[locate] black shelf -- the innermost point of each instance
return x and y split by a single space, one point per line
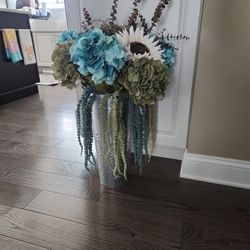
16 79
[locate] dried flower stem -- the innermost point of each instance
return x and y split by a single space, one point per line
133 16
178 37
113 12
88 19
144 23
171 37
158 12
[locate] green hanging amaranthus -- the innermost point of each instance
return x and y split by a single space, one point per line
84 124
112 117
118 135
152 127
118 117
122 136
105 129
142 131
145 131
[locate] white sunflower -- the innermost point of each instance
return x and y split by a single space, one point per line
139 45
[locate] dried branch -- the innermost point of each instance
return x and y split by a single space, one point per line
144 23
170 37
158 12
178 37
88 20
110 29
113 13
133 16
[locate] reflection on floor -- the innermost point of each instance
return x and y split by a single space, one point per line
46 201
47 80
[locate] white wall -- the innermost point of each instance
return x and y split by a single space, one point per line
58 14
220 119
11 4
3 4
101 10
219 138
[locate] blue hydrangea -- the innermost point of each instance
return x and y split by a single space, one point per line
68 36
98 55
169 56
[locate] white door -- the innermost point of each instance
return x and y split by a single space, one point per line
183 17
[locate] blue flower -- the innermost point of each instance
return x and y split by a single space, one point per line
100 55
169 56
68 36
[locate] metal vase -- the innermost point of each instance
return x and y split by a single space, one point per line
106 168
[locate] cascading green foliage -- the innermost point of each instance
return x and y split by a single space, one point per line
78 121
122 137
145 130
84 124
141 131
115 130
138 134
120 119
113 116
105 129
114 112
152 124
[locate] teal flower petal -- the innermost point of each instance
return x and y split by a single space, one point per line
98 55
67 36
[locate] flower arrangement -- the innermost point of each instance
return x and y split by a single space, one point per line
130 67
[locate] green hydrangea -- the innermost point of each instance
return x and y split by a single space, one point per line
64 69
145 80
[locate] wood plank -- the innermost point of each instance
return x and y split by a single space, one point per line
145 226
41 164
52 101
39 120
6 137
77 187
69 144
9 128
156 210
16 195
36 113
172 199
12 244
181 208
196 237
49 109
59 234
169 187
57 130
223 224
41 151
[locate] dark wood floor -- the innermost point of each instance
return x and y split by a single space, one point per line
47 202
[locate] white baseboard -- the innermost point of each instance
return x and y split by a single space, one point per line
169 152
217 170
